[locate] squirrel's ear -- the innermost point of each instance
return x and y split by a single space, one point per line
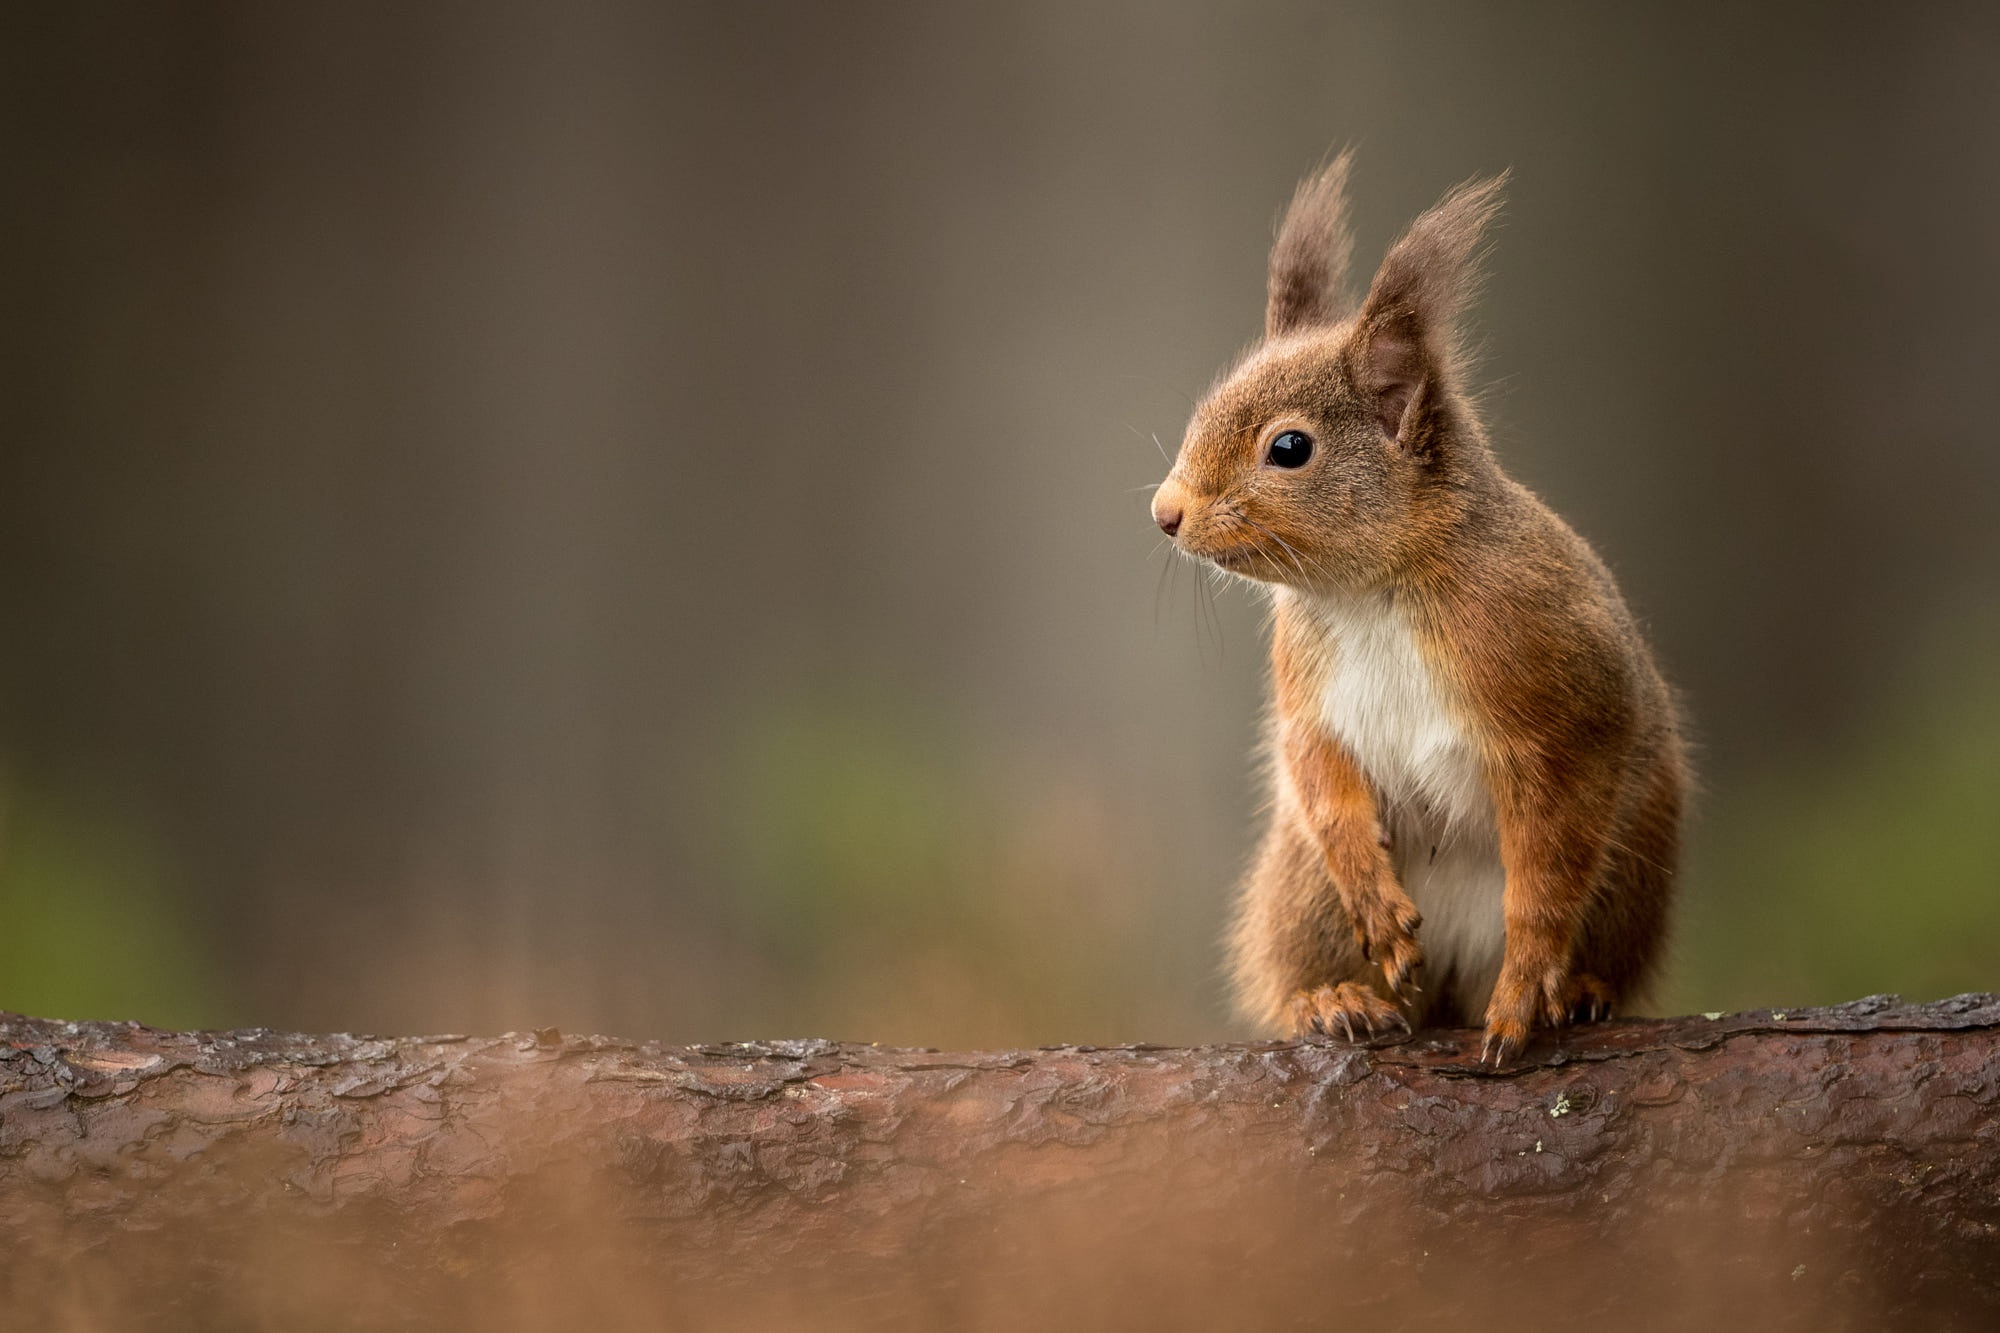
1308 283
1408 337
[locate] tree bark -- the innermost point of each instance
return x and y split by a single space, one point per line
1818 1168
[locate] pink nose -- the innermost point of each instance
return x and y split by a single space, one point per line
1168 517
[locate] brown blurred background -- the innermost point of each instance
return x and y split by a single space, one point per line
625 517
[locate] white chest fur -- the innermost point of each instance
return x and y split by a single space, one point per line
1380 698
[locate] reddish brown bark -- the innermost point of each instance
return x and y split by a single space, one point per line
1824 1168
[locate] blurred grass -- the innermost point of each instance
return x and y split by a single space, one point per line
1873 866
908 891
91 923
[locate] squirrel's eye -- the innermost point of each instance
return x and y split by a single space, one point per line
1290 449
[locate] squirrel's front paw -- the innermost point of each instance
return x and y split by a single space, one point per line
1387 929
1521 999
1344 1010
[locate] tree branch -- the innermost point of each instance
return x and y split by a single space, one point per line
1788 1168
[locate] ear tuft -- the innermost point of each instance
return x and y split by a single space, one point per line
1308 282
1408 338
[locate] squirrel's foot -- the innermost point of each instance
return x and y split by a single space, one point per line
1521 999
1386 926
1349 1010
1587 1000
1504 1039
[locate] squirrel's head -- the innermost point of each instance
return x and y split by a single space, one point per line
1339 440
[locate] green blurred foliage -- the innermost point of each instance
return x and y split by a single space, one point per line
905 890
1872 867
847 823
91 923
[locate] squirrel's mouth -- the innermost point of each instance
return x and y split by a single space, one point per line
1252 564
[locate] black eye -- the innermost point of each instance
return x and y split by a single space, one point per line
1291 449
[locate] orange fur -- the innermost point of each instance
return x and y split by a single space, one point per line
1451 664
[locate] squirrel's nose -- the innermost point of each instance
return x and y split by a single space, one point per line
1168 516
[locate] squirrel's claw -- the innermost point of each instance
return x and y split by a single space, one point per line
1347 1009
1589 999
1501 1045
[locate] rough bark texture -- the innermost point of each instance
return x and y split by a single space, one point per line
1824 1167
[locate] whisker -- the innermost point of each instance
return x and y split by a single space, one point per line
1200 619
1205 591
1154 436
1297 561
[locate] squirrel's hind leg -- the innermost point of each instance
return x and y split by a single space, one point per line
1299 969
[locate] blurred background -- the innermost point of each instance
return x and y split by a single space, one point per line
628 517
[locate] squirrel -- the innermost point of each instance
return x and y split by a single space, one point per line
1477 771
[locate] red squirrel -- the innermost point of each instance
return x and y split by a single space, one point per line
1477 771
